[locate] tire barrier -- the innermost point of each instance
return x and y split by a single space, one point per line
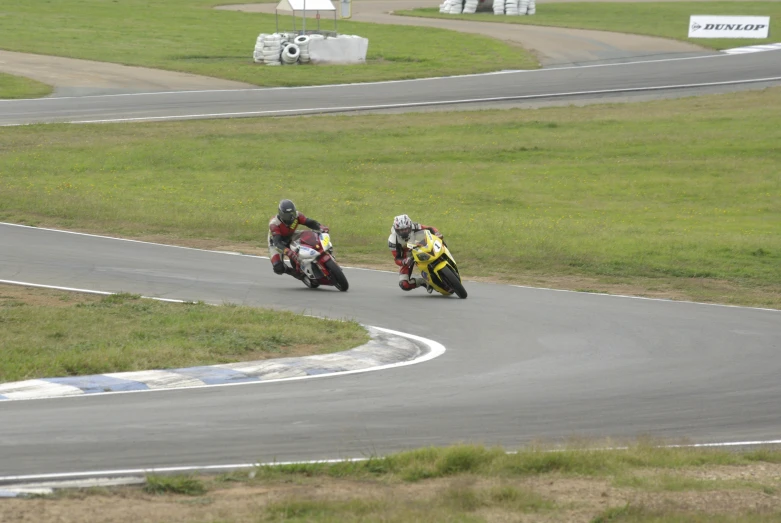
452 7
291 48
470 6
290 54
511 7
303 45
268 48
500 7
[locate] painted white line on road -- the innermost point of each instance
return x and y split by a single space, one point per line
753 49
85 291
237 466
645 298
63 231
352 108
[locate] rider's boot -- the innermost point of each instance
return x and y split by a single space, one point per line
294 273
420 282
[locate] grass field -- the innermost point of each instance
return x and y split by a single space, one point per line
49 333
666 19
190 36
17 87
679 198
463 483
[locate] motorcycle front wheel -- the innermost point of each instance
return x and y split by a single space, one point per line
455 283
336 274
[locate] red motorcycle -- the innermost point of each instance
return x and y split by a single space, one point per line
316 261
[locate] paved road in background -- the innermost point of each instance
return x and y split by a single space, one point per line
521 364
668 77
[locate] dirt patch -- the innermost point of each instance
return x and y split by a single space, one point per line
10 294
572 499
72 77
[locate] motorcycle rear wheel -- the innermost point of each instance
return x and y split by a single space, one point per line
336 274
451 279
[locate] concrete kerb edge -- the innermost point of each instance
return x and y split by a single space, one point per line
386 349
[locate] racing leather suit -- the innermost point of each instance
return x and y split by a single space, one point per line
280 236
408 279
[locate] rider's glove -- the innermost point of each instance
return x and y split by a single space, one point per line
323 228
293 255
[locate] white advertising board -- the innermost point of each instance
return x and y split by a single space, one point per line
704 26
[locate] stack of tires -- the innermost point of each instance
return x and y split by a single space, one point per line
511 7
470 6
282 48
515 7
290 53
303 45
268 49
452 7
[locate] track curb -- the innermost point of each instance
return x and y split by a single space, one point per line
385 349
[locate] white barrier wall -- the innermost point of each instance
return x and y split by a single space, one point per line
344 49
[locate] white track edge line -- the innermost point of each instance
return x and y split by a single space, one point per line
63 231
519 71
646 298
236 466
436 349
325 110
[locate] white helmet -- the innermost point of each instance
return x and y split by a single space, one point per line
403 226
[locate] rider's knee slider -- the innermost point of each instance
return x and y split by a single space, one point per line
406 285
279 267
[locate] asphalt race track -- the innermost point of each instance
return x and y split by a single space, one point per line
521 364
689 76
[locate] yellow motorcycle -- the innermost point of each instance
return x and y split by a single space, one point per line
436 264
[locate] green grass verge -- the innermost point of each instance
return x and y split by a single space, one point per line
681 196
639 514
665 19
471 484
176 484
14 87
47 333
190 36
442 462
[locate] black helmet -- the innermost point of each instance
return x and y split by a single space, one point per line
287 212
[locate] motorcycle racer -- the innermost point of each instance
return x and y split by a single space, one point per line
282 231
402 231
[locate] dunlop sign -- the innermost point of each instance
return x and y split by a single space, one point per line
701 26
